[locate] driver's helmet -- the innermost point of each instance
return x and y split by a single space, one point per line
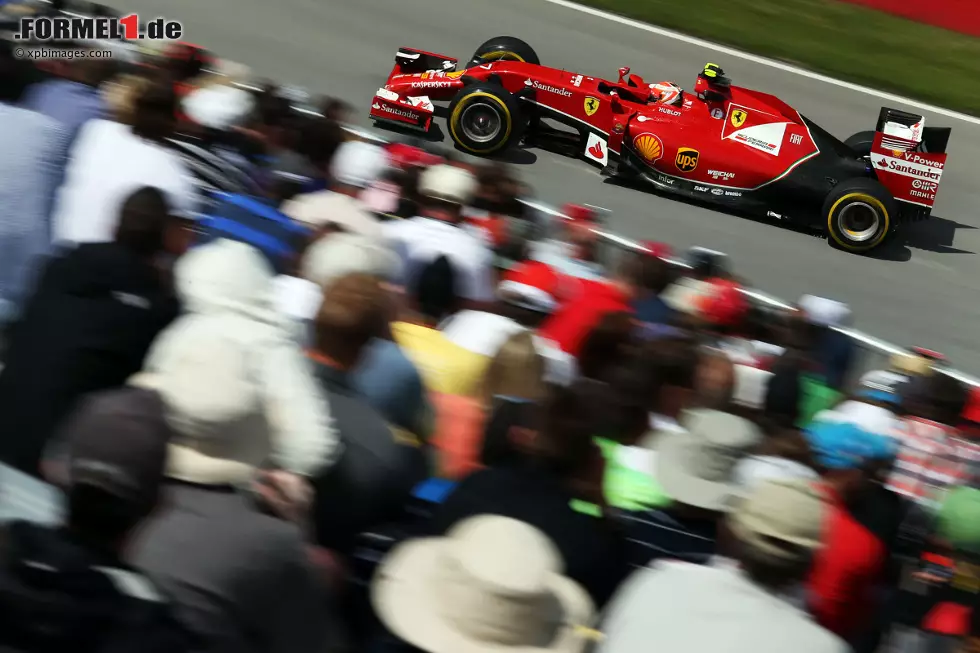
666 93
715 76
712 84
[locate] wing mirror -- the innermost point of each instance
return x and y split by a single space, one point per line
623 72
615 102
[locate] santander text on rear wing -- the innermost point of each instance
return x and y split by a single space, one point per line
909 158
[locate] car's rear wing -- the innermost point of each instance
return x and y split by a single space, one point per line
908 157
410 60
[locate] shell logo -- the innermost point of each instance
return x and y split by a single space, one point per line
648 147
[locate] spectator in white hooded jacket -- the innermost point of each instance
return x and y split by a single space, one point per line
226 288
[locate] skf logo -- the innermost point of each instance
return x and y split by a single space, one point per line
687 159
738 118
591 106
648 147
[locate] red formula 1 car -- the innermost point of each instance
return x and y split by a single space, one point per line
741 149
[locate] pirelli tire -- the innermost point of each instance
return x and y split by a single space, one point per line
485 119
860 214
504 48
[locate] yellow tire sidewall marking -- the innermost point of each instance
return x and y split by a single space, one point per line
497 55
458 111
864 197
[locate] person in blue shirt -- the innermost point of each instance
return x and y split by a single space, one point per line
32 163
74 99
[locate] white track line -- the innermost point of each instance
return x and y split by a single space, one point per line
772 63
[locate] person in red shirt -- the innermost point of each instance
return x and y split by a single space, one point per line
850 567
575 319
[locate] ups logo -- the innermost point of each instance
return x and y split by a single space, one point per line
687 159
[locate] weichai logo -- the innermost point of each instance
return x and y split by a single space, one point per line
129 28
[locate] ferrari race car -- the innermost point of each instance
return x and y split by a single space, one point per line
736 148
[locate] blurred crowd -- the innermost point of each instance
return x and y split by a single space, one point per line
268 387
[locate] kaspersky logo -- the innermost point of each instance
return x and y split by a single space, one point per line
63 28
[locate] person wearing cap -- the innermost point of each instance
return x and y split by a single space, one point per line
489 584
695 469
94 314
355 168
747 601
862 523
444 191
434 294
67 587
110 160
212 100
878 400
377 470
526 295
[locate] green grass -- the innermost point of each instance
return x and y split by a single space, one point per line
835 38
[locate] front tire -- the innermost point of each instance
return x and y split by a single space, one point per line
504 48
484 119
860 214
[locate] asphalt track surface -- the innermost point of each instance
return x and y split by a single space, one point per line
923 290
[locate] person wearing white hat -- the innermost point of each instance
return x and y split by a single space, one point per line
356 167
490 585
238 576
226 290
445 190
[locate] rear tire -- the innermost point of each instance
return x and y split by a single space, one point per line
484 119
861 143
860 214
504 48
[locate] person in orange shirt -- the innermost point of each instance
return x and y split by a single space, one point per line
516 373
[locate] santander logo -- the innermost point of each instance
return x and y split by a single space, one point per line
596 150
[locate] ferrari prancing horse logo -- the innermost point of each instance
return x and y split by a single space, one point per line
738 118
591 105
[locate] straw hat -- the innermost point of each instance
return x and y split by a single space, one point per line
491 585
